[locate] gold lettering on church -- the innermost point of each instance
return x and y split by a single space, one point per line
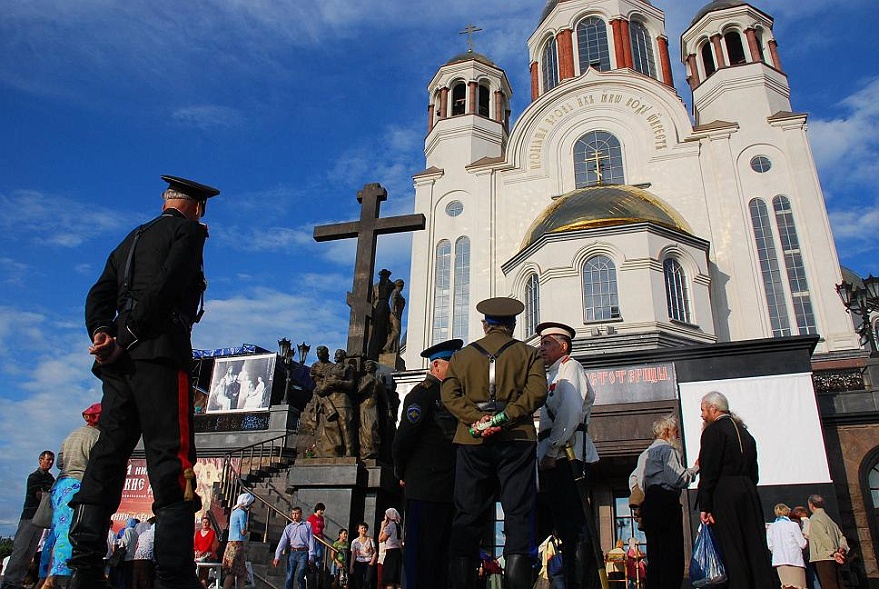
634 104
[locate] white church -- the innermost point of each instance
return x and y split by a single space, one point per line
691 251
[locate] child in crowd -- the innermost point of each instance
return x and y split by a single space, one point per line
339 568
363 558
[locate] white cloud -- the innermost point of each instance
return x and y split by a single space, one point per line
208 116
846 147
35 217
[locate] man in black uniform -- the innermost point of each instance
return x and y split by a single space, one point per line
27 536
424 461
139 314
493 387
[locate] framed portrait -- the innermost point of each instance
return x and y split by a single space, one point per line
241 383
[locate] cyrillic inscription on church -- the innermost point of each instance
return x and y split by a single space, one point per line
623 101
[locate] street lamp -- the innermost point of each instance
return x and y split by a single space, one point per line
303 349
284 351
862 301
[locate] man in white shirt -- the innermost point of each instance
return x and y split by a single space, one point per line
564 420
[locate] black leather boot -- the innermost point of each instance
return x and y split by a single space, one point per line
88 536
175 567
587 566
462 573
519 571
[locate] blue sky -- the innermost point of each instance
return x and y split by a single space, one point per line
289 107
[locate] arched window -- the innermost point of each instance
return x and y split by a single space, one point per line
459 98
772 283
677 295
793 260
734 48
759 34
592 44
532 304
550 66
600 297
462 288
598 159
442 282
484 101
708 59
642 49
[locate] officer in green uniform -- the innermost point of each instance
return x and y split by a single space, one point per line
139 316
424 461
493 387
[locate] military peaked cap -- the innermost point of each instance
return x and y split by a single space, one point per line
500 310
190 188
442 350
553 328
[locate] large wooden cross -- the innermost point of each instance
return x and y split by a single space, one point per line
366 230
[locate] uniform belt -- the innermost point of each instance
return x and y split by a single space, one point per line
543 434
492 405
298 548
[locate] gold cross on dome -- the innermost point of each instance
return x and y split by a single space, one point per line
596 158
469 30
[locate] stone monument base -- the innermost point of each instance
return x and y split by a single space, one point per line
353 491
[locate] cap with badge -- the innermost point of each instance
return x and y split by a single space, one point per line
500 310
443 350
191 188
553 328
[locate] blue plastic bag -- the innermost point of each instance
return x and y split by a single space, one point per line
706 566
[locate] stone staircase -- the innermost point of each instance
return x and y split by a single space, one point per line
268 515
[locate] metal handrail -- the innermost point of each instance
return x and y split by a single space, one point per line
275 447
329 549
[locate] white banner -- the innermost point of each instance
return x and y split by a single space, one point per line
781 413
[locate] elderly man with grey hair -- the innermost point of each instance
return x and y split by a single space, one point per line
728 497
662 476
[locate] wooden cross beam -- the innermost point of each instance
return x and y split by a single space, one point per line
366 230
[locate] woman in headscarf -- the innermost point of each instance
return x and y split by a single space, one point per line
390 534
74 455
235 555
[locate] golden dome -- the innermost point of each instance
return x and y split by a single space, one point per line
604 206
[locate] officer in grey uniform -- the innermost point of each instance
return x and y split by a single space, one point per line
424 461
493 387
139 315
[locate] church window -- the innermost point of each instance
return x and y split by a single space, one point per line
592 45
735 50
642 49
598 159
459 98
793 260
676 292
761 164
442 280
759 34
769 269
484 100
550 66
532 304
708 59
454 208
462 288
600 296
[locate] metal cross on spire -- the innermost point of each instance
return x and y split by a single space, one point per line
469 30
596 158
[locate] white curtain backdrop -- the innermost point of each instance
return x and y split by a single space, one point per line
781 413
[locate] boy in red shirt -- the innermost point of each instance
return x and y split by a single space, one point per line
316 521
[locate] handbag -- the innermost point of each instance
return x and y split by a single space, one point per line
117 558
43 516
706 566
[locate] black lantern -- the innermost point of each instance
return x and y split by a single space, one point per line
862 300
303 349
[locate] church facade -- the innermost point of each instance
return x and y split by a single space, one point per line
691 247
